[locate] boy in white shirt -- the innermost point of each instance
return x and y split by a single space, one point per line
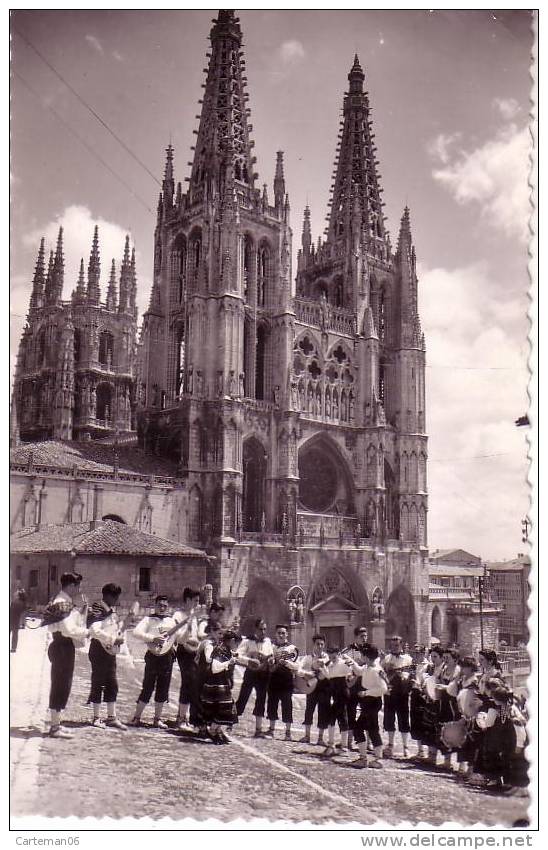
373 686
338 672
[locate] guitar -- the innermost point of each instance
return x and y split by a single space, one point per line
164 641
305 682
282 654
117 630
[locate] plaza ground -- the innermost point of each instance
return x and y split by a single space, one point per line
154 773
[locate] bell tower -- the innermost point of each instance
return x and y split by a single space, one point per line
217 334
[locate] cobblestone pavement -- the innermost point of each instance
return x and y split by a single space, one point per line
154 773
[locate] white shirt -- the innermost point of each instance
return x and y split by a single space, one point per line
194 629
372 681
152 627
396 662
72 625
253 648
306 663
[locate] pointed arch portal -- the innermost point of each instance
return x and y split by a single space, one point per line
254 465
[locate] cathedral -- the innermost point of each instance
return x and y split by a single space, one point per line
290 407
75 372
295 411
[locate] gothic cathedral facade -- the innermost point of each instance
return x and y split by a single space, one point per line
75 372
295 410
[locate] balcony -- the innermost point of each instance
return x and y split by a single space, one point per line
334 319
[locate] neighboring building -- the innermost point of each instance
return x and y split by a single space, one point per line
509 585
456 614
298 423
55 482
75 371
102 552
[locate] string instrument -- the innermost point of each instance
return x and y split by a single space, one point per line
282 654
164 641
189 642
305 681
80 619
117 629
244 661
399 679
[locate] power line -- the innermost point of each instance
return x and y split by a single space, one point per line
88 107
83 142
470 457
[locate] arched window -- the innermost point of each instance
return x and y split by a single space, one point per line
254 485
178 264
247 261
41 353
260 363
338 292
104 403
77 346
180 364
382 380
195 257
322 289
263 270
195 514
382 315
106 350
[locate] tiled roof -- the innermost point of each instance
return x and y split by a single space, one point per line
516 564
107 538
94 455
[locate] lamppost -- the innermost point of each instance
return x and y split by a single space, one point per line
480 588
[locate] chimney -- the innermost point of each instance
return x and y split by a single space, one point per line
97 506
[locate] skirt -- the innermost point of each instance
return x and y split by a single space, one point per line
217 704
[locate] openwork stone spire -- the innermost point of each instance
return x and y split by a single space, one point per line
223 145
94 270
38 280
355 171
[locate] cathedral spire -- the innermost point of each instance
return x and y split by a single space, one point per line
57 270
79 294
38 280
279 182
168 185
111 292
223 147
133 277
94 270
306 239
404 236
355 172
125 279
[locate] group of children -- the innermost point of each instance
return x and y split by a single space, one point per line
444 702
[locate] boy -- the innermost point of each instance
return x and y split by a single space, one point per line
372 687
319 698
280 687
66 628
187 643
338 672
105 642
397 666
158 667
260 648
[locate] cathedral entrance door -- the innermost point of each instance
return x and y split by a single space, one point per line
334 635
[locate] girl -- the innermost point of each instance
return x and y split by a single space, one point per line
217 704
498 740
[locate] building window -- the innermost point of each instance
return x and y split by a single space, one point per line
33 579
53 573
144 579
18 572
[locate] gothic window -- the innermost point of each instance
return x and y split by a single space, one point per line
41 353
338 292
319 479
248 384
382 380
254 484
180 365
306 346
339 354
382 315
195 514
77 346
106 350
322 289
260 363
314 370
332 583
104 403
263 273
248 253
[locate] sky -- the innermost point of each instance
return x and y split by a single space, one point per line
98 95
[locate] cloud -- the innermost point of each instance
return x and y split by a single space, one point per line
291 52
94 42
477 469
439 147
508 107
117 56
493 178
